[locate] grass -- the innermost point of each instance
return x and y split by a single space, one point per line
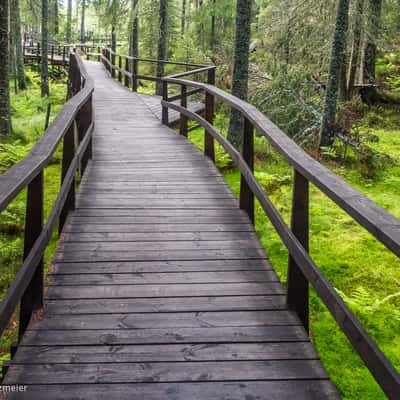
364 272
28 121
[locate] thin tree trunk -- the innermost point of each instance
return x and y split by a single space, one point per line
240 68
183 17
69 21
355 51
17 41
83 21
113 38
212 38
56 25
335 69
44 67
162 42
5 117
134 31
368 73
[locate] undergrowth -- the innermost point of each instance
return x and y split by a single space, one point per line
364 272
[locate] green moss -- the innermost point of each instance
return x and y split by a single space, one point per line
366 274
28 119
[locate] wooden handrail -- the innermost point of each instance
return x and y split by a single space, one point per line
76 114
302 269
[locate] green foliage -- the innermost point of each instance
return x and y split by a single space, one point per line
29 111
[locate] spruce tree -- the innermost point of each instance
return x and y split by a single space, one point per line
335 71
5 117
240 67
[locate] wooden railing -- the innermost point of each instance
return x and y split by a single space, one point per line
57 53
73 126
302 270
126 70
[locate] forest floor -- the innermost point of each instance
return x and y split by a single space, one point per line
28 120
362 270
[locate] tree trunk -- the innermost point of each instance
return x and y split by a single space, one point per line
355 51
335 69
370 48
44 67
113 38
17 41
56 25
162 42
240 67
69 22
83 21
212 37
5 118
183 17
134 34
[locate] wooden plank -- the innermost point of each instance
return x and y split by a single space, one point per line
158 227
168 290
99 247
164 278
157 236
249 390
165 304
161 266
167 372
164 255
167 352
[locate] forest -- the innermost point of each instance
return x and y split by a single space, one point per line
327 72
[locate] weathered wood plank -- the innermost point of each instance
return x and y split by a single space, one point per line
167 372
168 290
168 352
165 304
249 390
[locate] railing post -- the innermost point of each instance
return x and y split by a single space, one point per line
63 55
135 66
165 118
98 54
184 121
33 296
68 155
120 69
246 195
126 77
112 63
297 283
52 53
83 120
208 139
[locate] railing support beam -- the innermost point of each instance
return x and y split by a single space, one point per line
209 150
297 285
164 116
33 297
183 120
246 194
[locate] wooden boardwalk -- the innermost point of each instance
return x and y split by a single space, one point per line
160 287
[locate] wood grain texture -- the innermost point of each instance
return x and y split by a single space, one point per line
160 288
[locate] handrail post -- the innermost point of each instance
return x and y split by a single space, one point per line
98 54
135 66
126 77
183 130
246 195
297 283
83 120
208 139
32 299
165 117
67 157
120 68
113 63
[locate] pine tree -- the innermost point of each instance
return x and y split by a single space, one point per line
134 30
335 70
17 41
5 117
83 12
69 22
240 67
162 42
44 67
